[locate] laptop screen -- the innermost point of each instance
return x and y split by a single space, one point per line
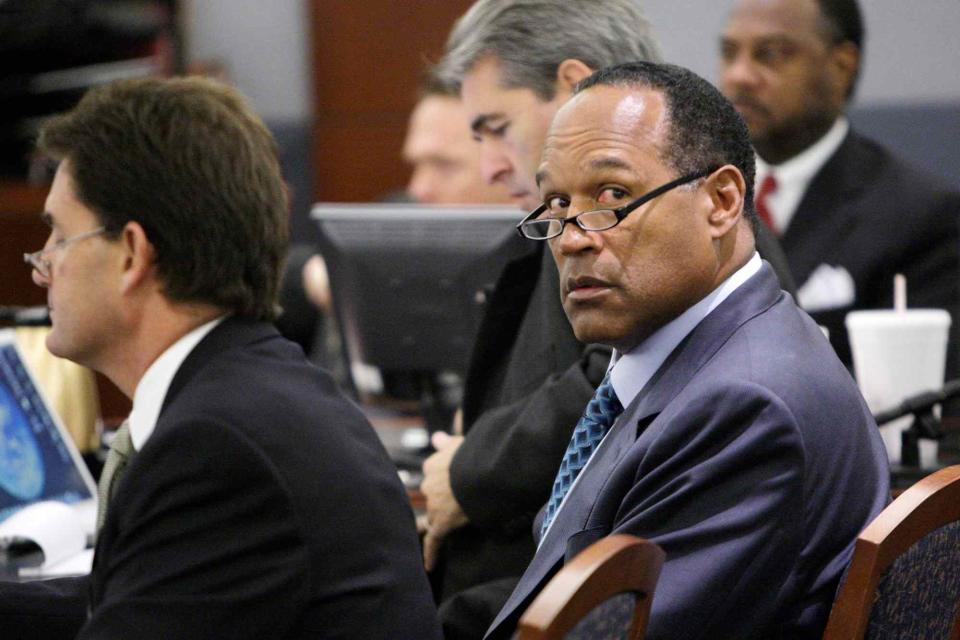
37 459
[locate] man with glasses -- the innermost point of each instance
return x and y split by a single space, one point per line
726 429
516 62
244 497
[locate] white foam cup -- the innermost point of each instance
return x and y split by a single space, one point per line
897 354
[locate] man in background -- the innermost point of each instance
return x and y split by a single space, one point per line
850 214
245 497
439 148
517 62
445 169
726 430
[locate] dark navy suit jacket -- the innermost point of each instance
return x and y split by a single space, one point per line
528 382
262 506
751 459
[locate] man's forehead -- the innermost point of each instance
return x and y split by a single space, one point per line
63 207
606 129
436 122
631 112
485 93
773 18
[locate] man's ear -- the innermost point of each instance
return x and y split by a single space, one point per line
725 188
844 62
569 73
138 255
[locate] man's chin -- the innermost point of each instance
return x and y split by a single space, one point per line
57 346
53 344
588 330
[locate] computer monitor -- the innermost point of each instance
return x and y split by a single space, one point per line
409 281
38 461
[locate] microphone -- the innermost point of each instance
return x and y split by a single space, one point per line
919 403
925 423
25 316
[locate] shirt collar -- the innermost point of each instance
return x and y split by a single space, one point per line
631 371
794 175
152 388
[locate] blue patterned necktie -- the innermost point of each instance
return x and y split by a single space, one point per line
596 421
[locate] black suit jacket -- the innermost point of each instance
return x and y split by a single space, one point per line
528 381
262 506
875 216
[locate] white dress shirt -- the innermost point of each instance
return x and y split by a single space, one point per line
152 388
631 371
794 175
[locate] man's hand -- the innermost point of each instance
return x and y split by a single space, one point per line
443 512
316 283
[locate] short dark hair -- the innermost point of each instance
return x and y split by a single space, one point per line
188 160
844 19
705 130
843 22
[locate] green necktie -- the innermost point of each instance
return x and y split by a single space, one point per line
121 449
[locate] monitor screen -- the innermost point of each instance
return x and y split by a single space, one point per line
37 459
409 281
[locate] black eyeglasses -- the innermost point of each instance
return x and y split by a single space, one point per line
598 219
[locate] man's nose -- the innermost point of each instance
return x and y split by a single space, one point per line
495 164
740 72
421 186
39 279
573 239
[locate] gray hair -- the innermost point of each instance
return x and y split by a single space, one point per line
530 38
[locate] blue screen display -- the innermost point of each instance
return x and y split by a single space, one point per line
35 463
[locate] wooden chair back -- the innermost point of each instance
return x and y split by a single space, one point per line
904 579
605 592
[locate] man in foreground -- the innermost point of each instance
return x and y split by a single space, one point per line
529 377
246 498
726 431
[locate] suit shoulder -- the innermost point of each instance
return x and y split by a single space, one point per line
882 165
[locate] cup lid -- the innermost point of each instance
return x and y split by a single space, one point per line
890 317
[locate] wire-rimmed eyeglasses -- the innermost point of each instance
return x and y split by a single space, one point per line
42 265
597 219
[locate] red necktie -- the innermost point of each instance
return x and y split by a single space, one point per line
768 186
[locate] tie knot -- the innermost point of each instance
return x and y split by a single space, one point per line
607 400
122 443
767 186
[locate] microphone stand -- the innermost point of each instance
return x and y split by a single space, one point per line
925 424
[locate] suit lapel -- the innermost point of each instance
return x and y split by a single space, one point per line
756 295
501 321
821 221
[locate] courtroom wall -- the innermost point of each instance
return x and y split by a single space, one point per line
908 97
